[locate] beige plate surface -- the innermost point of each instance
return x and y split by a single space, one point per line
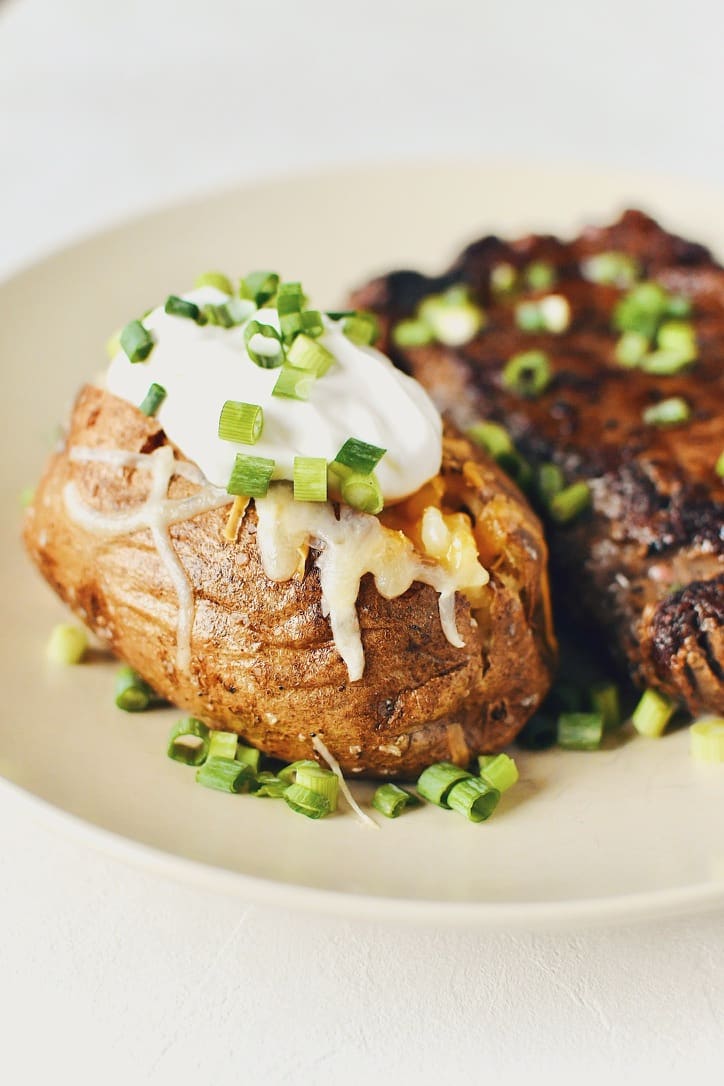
625 833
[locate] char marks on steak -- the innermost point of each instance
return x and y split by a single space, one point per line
646 563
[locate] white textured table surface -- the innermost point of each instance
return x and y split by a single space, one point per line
114 975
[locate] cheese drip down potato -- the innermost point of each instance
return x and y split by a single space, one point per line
131 536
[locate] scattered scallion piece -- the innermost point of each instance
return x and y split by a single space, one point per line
653 713
320 780
580 731
678 336
225 775
671 412
707 740
241 422
305 801
113 344
613 268
189 741
223 315
412 333
180 307
308 355
26 496
250 476
310 479
359 455
133 694
361 328
663 363
290 299
631 349
435 782
67 644
263 345
642 309
492 437
499 770
136 341
452 317
289 773
215 279
549 314
569 503
605 701
153 399
550 481
223 744
362 492
540 275
294 384
312 323
248 755
474 798
719 466
267 784
527 373
391 800
259 286
503 278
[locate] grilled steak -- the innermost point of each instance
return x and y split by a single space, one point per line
644 561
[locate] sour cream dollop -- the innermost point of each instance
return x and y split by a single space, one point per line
362 396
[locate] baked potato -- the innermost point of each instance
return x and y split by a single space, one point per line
261 658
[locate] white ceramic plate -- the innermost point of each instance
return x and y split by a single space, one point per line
628 832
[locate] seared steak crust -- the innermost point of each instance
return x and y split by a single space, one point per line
646 563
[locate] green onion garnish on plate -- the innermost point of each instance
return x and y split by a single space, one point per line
133 694
719 466
180 307
653 713
527 374
259 286
615 269
671 412
568 504
474 798
263 345
250 476
294 384
215 279
290 299
248 755
359 455
223 744
67 644
320 780
225 775
391 800
499 770
707 740
189 741
631 349
136 341
152 400
269 785
241 422
310 479
580 731
540 275
435 782
306 354
307 802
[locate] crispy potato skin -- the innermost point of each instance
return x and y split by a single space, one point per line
263 661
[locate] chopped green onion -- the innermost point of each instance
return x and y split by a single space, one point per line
707 740
259 286
499 770
267 784
290 298
473 798
359 455
580 731
550 481
310 479
242 422
228 314
361 328
250 476
340 314
306 354
669 412
614 269
719 466
215 279
293 383
663 363
180 307
188 741
528 317
223 744
631 349
289 773
136 341
605 701
26 496
492 437
224 775
549 314
437 780
248 755
452 317
412 333
570 503
153 399
539 733
67 644
527 373
678 306
113 344
642 309
391 800
540 275
263 345
133 694
305 801
362 492
652 714
312 323
322 781
503 278
678 336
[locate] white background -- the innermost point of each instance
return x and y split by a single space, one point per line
108 974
